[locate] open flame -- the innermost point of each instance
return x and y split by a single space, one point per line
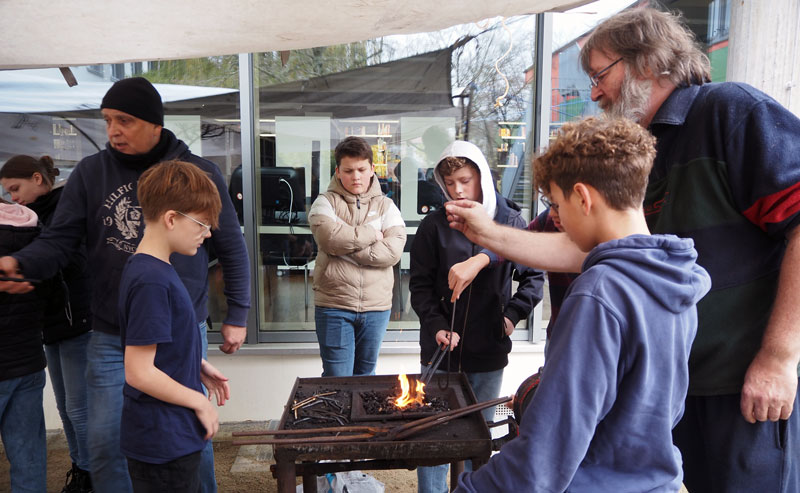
408 397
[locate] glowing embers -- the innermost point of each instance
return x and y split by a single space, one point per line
408 398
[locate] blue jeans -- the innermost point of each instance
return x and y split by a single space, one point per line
105 376
349 342
208 481
66 363
22 430
486 386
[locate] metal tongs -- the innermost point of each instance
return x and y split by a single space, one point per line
433 364
4 277
438 356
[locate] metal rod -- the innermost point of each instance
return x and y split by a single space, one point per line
315 440
418 425
19 279
309 431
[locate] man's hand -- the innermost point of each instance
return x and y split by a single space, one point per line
9 267
770 385
471 219
234 336
462 274
215 382
508 326
443 337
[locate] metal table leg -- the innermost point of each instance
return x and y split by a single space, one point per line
456 468
286 474
309 482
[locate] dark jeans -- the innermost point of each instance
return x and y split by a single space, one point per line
178 476
724 453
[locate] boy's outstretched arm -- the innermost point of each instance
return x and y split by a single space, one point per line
553 252
463 273
215 382
142 374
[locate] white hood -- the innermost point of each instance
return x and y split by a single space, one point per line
460 148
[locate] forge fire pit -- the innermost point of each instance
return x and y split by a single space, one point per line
366 404
466 437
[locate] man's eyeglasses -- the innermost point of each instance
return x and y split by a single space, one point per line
595 79
206 226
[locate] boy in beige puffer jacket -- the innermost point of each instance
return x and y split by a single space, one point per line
360 234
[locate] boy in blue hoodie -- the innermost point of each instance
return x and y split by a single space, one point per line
617 370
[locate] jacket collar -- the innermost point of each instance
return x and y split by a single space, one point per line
336 187
676 107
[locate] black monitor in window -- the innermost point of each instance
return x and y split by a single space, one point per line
283 194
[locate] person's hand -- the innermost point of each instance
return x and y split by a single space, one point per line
508 326
462 274
770 385
208 417
215 382
470 218
233 335
378 235
443 337
9 267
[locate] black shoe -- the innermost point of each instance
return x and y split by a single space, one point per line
84 482
71 484
78 481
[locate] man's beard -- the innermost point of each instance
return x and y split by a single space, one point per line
633 99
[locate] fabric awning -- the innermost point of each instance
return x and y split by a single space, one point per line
43 33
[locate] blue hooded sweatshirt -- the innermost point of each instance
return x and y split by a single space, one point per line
615 380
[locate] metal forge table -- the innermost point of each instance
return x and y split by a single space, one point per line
453 442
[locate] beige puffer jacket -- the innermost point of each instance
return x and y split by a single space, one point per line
353 270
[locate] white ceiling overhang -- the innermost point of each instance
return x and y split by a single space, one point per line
43 33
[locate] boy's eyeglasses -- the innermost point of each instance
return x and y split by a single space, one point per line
548 204
595 79
206 226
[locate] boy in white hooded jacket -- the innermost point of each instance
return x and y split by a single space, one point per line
485 314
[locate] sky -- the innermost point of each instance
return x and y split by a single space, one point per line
573 23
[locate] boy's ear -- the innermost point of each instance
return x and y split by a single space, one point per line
169 218
585 197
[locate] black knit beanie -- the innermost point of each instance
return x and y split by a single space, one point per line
135 96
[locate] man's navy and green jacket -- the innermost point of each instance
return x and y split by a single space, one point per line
727 175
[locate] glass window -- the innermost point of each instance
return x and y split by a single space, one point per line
408 97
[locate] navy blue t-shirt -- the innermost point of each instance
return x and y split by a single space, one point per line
155 308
